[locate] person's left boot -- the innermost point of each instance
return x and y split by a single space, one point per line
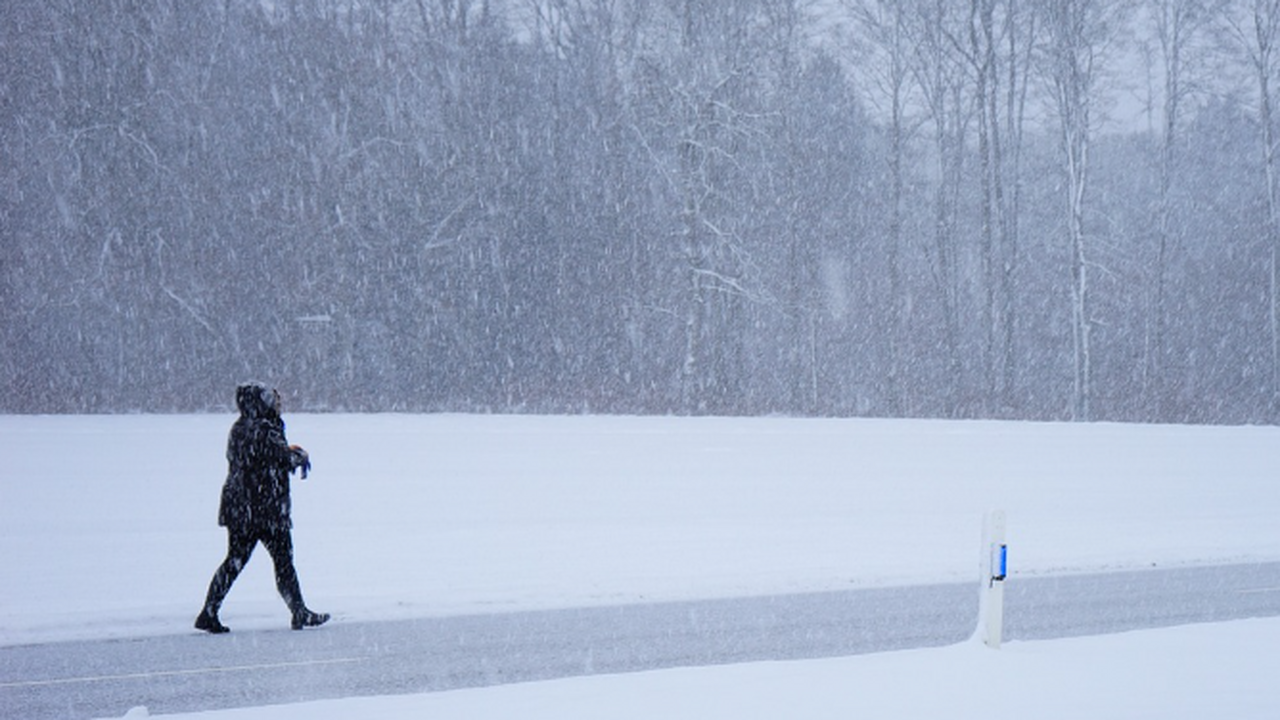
305 618
208 621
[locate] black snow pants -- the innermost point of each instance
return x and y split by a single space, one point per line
240 544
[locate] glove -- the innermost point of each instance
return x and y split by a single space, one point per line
301 460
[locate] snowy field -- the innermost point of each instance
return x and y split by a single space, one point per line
108 529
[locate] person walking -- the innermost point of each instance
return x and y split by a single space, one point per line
255 505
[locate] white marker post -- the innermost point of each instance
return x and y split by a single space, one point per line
995 566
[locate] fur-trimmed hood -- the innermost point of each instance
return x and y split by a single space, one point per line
257 400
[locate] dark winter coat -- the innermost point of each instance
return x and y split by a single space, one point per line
259 460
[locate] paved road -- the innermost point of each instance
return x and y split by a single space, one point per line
200 672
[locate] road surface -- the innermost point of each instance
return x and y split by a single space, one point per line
193 671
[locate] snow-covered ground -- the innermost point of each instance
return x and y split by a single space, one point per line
108 529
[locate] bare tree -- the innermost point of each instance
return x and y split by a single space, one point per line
937 66
1020 34
1179 27
982 58
1255 27
884 39
700 85
1078 32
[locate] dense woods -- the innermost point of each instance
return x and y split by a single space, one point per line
1037 209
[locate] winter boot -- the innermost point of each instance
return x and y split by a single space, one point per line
208 622
305 618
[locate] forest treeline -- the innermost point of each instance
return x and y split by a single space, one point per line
849 207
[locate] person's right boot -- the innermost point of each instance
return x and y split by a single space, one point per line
305 618
208 621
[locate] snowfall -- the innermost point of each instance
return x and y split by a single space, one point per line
107 525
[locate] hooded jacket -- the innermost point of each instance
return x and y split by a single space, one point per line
259 460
